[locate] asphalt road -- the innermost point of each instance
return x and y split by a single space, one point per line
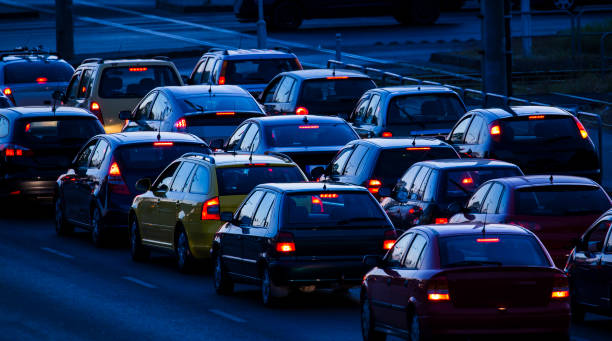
64 288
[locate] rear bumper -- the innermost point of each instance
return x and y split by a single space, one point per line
43 189
325 273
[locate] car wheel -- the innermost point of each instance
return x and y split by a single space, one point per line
368 323
564 4
415 328
223 284
412 12
139 252
184 258
97 228
62 227
286 16
268 289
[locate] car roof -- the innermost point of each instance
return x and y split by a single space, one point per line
44 111
384 143
151 136
545 180
323 73
238 54
231 159
126 61
525 110
475 229
296 187
186 91
413 89
295 119
464 163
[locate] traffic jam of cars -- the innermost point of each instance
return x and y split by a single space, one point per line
446 221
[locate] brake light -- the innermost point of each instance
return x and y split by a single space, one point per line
389 240
27 127
487 240
222 80
301 111
328 195
536 117
495 130
163 144
285 243
95 106
227 113
387 134
417 148
388 244
437 289
309 127
374 186
467 181
560 287
337 77
222 74
211 209
181 123
441 221
285 247
8 91
9 152
13 151
114 170
138 69
316 200
41 80
583 131
115 180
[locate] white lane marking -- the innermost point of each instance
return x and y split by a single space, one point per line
227 316
56 252
139 282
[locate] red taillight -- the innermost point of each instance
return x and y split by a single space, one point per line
374 186
417 148
114 170
94 107
337 77
315 200
328 195
388 244
437 289
495 130
222 80
41 80
9 152
583 131
536 117
181 124
211 209
487 240
163 144
226 113
222 74
309 127
285 243
8 91
441 221
467 181
301 111
389 240
560 287
387 134
137 69
13 151
27 127
115 180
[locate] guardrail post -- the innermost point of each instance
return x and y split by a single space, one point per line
526 27
64 29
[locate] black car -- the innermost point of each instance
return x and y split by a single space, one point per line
97 191
316 92
430 192
37 145
590 270
378 163
300 236
539 139
310 141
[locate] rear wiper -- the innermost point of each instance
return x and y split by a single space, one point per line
472 263
355 219
195 106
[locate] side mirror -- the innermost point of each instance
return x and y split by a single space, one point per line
217 144
143 185
317 172
373 260
161 190
58 95
384 192
227 216
125 115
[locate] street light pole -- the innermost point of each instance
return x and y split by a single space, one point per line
261 27
64 29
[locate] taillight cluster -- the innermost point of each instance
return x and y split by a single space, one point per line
560 287
285 243
389 240
583 132
181 124
115 180
222 74
94 108
12 151
9 93
374 186
437 289
211 209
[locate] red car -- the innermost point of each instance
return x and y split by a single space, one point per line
464 279
556 208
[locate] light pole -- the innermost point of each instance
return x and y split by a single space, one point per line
64 29
261 26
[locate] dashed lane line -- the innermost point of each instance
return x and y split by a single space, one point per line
57 253
139 282
227 316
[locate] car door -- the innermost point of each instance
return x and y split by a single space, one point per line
84 88
370 118
71 183
589 275
149 207
255 237
169 204
88 181
606 268
471 146
415 198
457 135
70 98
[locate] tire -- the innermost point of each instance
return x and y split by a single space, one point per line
415 12
98 233
138 251
221 281
62 227
184 257
367 323
267 289
286 15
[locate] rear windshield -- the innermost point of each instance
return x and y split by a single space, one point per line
410 109
217 103
43 132
461 184
491 250
147 160
37 72
392 163
311 135
332 210
560 200
257 71
241 180
136 81
331 96
549 130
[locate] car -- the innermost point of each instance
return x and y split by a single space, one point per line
250 69
326 92
589 269
106 87
289 15
556 208
311 141
5 102
37 145
30 76
539 139
379 163
300 236
97 191
211 112
402 111
432 191
465 280
180 211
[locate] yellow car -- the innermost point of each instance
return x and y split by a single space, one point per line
181 211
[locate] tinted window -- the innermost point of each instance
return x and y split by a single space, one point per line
475 203
415 251
333 210
73 86
197 75
162 108
419 183
33 72
355 161
181 177
506 250
4 126
284 90
249 207
263 210
219 103
241 180
461 184
429 192
560 200
393 163
53 131
247 142
330 96
270 90
458 133
143 112
596 237
553 129
362 107
200 182
82 159
297 135
399 250
136 81
166 177
257 71
370 116
85 85
492 201
98 156
424 108
208 70
236 136
473 133
340 161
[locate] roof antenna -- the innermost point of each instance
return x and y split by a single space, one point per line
551 179
484 225
305 119
159 129
414 141
324 187
334 70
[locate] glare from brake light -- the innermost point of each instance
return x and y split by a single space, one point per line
163 144
8 91
487 240
309 127
285 247
438 297
180 124
387 134
441 221
114 170
316 200
467 181
95 106
495 130
138 69
388 244
301 111
583 131
41 80
560 294
374 182
374 186
418 148
27 127
9 152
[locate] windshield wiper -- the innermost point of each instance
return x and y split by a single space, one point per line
472 263
195 106
355 219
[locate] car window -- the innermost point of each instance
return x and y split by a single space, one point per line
458 133
405 183
99 154
561 200
394 258
181 177
247 142
424 109
4 126
608 248
241 180
337 166
257 71
309 135
362 107
269 94
370 116
82 160
355 160
248 209
135 81
284 90
429 192
200 182
85 84
207 71
40 71
476 201
161 108
594 240
197 75
214 73
263 210
236 136
419 182
415 251
491 202
473 132
144 108
73 87
165 178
